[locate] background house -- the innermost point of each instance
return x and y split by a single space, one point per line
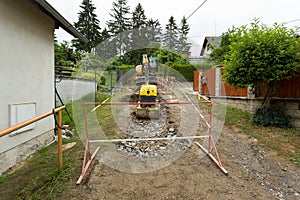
27 75
208 43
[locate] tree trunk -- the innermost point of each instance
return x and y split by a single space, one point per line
270 91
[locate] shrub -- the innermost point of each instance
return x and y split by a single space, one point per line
272 115
90 76
102 80
126 67
187 70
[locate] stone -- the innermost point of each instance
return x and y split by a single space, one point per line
163 148
171 129
129 149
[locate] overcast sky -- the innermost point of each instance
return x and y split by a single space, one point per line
213 18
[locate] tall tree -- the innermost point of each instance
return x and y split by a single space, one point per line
64 54
119 24
154 31
170 37
262 54
139 18
138 35
183 46
106 49
88 25
138 38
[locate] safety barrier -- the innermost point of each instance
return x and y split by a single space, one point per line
89 157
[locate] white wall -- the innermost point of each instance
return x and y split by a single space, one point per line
71 89
26 66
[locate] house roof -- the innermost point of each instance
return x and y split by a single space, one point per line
60 21
212 40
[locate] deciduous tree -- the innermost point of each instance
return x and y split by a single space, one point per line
262 54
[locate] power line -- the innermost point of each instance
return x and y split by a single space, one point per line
292 21
196 9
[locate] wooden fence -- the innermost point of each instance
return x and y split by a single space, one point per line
209 82
208 85
288 88
228 90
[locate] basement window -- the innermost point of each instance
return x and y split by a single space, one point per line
20 113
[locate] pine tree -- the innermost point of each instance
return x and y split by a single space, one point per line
106 49
183 46
105 34
139 18
170 37
119 24
88 25
154 31
138 34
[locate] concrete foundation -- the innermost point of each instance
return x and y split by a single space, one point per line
20 153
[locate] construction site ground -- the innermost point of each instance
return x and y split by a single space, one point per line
253 174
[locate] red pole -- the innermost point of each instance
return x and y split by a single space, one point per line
210 123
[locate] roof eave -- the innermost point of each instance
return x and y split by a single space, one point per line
60 20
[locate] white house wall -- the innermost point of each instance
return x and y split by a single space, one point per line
26 66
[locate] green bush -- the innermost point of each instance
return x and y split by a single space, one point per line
186 70
126 67
272 115
91 76
102 80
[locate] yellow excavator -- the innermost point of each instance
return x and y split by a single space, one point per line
148 94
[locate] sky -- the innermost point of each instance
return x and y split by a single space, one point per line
212 19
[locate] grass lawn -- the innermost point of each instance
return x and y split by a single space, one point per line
282 142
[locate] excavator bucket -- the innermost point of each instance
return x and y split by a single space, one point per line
147 113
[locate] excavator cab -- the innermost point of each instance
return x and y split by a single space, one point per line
153 65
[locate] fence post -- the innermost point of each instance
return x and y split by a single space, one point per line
200 82
218 82
59 140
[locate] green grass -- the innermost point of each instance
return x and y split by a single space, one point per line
235 116
285 142
40 178
295 160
